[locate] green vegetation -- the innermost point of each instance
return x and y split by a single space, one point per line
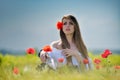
28 63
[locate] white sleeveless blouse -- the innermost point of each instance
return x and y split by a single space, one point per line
54 63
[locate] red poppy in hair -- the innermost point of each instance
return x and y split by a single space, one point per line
47 48
59 25
30 51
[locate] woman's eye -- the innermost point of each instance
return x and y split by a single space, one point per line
71 23
65 23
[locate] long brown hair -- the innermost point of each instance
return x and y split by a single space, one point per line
77 38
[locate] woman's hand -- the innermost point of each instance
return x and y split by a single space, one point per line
69 52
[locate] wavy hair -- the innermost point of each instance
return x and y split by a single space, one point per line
77 38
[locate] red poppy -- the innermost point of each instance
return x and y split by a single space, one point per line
117 67
97 67
15 70
47 48
59 25
60 60
106 53
30 51
85 61
97 61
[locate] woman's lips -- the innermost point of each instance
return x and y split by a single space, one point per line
67 29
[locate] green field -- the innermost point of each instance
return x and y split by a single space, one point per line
27 65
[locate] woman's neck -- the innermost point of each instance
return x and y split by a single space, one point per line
69 38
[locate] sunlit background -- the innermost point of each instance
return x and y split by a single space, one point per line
32 23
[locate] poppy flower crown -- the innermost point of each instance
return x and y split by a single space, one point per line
59 25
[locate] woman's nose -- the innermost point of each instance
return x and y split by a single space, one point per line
68 25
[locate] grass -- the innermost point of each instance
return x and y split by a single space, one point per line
27 65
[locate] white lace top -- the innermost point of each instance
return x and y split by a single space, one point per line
56 54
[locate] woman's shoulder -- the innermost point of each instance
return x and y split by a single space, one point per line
56 44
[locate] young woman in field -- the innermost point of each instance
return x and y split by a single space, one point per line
70 49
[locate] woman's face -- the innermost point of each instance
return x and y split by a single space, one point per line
68 26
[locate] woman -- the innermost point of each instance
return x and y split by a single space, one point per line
70 47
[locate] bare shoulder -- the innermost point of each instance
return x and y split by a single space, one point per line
56 44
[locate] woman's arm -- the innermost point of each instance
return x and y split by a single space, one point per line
70 52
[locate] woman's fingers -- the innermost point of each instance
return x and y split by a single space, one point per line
66 52
68 55
69 52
